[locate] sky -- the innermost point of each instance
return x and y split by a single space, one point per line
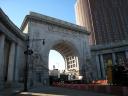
16 10
55 58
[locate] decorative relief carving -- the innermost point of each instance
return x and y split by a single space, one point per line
38 63
53 28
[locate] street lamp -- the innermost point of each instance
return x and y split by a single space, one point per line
28 52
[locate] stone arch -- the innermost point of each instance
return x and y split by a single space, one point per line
73 38
70 54
65 42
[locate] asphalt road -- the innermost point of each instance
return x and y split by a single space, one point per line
56 91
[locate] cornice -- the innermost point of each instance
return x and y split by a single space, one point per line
122 43
10 25
43 18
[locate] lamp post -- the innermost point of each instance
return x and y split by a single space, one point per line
28 52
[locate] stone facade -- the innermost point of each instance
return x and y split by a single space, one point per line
12 47
104 54
68 39
45 34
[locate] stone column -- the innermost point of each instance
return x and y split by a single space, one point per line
113 58
98 67
102 67
11 62
2 43
17 58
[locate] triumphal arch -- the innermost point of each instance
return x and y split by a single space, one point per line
47 33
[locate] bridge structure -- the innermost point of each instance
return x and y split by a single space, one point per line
48 33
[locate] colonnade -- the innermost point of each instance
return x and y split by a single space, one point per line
11 60
101 66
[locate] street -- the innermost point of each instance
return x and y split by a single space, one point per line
56 91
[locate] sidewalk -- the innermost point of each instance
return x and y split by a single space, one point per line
55 91
10 91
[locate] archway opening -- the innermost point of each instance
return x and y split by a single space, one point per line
63 62
56 61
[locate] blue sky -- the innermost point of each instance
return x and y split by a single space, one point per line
55 58
61 9
17 9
